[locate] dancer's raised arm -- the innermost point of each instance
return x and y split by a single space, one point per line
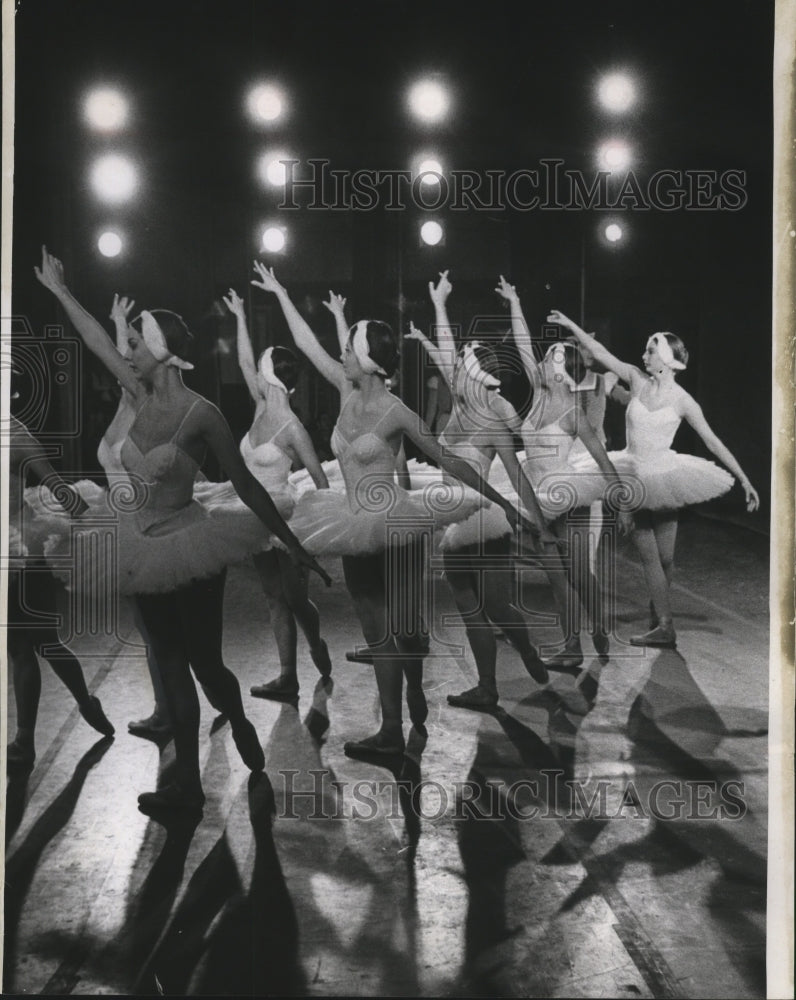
519 330
628 373
305 339
445 356
692 413
440 357
92 333
120 311
245 353
336 306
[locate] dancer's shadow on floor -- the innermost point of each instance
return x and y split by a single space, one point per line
22 864
227 940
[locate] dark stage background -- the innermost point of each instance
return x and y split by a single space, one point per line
522 76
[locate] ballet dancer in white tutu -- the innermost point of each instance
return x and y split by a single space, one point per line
173 550
275 442
668 480
374 519
477 551
555 426
33 596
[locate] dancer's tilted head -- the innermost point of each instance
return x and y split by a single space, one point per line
665 350
563 363
372 349
477 366
158 337
278 366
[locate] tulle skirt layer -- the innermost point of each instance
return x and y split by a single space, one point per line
670 480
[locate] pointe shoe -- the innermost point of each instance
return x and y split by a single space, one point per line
601 643
154 725
20 754
565 660
172 796
320 657
418 707
379 744
248 743
276 690
663 636
537 669
653 616
96 718
477 698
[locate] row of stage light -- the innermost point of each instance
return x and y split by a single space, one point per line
115 177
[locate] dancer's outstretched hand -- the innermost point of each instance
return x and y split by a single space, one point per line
752 499
51 274
234 303
121 308
301 557
267 280
507 291
336 304
556 316
414 333
440 292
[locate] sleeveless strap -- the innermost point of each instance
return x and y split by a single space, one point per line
182 422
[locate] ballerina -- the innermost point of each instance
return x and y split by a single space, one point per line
275 441
32 599
557 421
173 551
480 426
669 480
360 526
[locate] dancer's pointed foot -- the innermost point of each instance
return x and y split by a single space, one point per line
384 744
567 659
281 689
154 726
248 743
418 707
20 753
320 657
96 718
602 643
663 635
172 797
478 698
653 616
536 668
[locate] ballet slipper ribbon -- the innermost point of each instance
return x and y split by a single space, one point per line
266 370
473 367
359 343
665 352
156 343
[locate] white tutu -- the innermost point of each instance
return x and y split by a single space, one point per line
301 481
221 497
670 480
558 491
326 523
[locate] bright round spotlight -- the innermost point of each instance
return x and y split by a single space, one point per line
431 233
265 103
429 171
614 232
429 100
271 169
110 244
114 178
614 155
105 109
616 92
273 239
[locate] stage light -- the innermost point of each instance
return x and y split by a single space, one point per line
271 170
616 92
274 239
428 100
265 103
105 109
614 155
431 233
114 178
429 171
614 232
110 244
